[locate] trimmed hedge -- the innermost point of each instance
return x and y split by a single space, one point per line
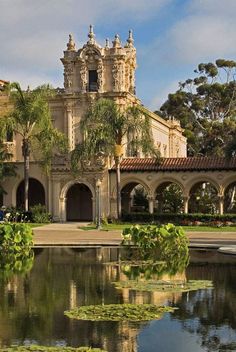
181 219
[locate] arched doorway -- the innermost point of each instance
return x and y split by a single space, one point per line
204 198
230 198
79 204
134 198
169 198
36 193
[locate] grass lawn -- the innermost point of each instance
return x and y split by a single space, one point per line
34 224
187 228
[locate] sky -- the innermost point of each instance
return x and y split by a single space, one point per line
171 37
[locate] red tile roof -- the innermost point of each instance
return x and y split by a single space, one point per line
177 164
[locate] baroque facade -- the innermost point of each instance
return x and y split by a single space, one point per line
90 73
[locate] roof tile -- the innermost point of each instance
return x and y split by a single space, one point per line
177 164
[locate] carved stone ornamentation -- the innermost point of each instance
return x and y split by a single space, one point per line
100 76
71 44
68 76
117 74
83 77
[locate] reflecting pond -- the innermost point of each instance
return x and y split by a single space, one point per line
32 306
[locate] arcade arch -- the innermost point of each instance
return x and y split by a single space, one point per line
230 198
36 193
203 198
169 198
79 203
134 197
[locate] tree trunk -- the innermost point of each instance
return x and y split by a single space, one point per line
118 194
26 155
232 196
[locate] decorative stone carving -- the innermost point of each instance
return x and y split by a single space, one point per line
71 44
100 76
91 36
130 40
83 77
116 42
132 76
68 76
118 75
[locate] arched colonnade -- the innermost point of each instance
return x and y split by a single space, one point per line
178 192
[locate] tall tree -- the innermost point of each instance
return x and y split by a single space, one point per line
30 118
107 128
7 169
206 107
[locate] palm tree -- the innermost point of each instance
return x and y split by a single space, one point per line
30 118
6 169
107 128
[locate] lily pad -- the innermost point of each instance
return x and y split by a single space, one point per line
35 348
119 312
167 286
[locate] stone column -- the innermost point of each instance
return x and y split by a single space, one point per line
151 204
49 196
55 200
63 209
186 199
69 128
221 204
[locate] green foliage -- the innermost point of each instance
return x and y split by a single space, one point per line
181 219
40 214
203 199
165 286
170 199
206 108
36 348
140 198
15 248
31 119
105 125
7 169
165 242
119 312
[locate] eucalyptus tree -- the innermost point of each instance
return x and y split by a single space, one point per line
30 118
107 128
206 107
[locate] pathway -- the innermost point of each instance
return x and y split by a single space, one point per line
69 234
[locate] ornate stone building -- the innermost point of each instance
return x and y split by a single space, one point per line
90 73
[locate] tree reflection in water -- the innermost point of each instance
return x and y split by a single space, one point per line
212 311
32 307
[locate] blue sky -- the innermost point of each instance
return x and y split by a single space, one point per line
171 37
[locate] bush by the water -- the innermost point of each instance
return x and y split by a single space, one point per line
40 214
165 242
182 219
16 254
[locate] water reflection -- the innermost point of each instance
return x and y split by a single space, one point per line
31 307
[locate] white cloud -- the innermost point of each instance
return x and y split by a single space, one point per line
208 31
33 34
201 37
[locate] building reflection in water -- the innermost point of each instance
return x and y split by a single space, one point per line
31 307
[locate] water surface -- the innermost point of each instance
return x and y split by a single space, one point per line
32 306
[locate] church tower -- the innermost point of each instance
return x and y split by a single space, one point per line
94 72
96 69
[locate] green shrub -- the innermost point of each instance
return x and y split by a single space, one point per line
165 242
40 214
181 219
15 248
